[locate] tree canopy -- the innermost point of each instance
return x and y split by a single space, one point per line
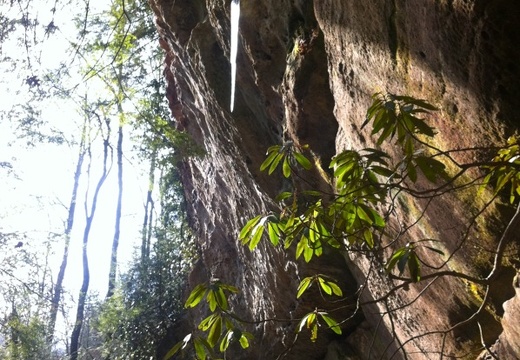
84 79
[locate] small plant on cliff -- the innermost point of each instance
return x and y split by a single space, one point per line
360 215
366 183
220 328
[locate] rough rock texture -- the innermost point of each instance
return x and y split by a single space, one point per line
508 340
461 55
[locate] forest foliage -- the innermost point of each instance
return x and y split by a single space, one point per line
108 85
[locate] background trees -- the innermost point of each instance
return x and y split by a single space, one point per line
101 99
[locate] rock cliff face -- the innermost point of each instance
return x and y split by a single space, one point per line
306 71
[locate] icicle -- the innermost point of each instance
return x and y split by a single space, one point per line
235 15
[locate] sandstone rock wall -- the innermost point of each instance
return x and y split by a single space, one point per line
460 55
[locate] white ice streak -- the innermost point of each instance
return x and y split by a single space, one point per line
235 16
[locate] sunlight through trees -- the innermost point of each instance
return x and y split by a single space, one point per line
93 89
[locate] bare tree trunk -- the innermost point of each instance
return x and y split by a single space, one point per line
148 211
117 232
58 287
80 313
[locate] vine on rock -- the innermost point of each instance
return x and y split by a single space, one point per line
355 217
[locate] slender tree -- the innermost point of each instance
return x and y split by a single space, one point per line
123 72
149 207
117 230
89 218
58 287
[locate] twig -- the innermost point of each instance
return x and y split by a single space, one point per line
484 343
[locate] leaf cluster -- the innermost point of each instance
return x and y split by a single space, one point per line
351 215
220 326
407 256
311 322
328 286
288 156
505 169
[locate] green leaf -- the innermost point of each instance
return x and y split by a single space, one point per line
387 131
380 170
221 299
212 300
376 155
207 322
334 162
502 180
308 252
258 231
200 349
179 346
375 106
275 162
376 218
244 339
173 350
431 168
313 233
362 214
380 121
323 230
274 233
421 103
435 250
349 213
367 234
286 168
311 319
246 230
215 332
318 249
302 323
412 173
414 266
224 344
408 146
300 247
304 285
396 256
422 127
336 290
325 286
313 193
343 169
401 264
229 288
302 160
283 195
310 322
272 152
428 171
333 324
196 296
367 119
314 332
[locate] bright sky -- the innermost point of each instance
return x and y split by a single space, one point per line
36 193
